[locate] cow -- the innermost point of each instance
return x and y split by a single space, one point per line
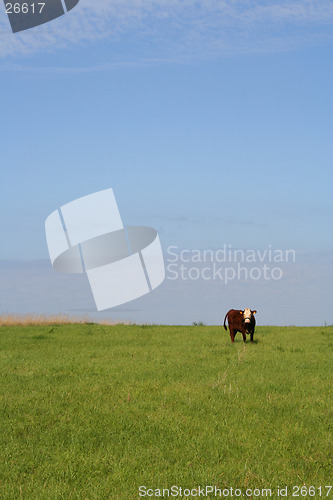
240 321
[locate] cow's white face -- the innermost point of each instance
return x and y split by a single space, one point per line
247 315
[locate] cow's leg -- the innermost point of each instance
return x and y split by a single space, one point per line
244 336
251 336
232 335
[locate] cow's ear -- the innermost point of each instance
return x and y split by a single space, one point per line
254 312
241 312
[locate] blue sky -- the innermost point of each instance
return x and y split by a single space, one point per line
211 121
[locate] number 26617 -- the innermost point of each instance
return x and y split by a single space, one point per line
24 8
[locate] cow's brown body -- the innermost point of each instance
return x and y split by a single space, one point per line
240 321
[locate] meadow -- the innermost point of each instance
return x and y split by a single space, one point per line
92 411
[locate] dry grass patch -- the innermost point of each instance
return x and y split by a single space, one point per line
43 319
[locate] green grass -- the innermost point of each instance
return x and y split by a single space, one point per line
93 412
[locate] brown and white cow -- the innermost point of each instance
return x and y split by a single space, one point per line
240 321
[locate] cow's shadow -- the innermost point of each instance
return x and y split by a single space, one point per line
248 342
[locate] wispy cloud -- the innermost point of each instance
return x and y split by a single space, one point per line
142 31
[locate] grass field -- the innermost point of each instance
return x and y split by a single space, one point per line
93 411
